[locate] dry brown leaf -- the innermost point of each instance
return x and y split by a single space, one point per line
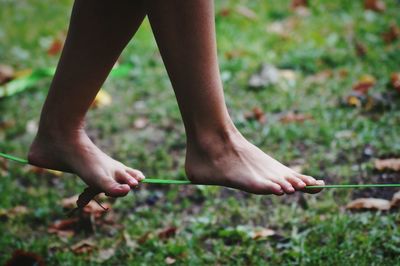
364 84
102 99
83 246
388 164
262 233
320 77
224 12
395 81
143 238
361 49
55 47
170 260
6 74
392 34
369 204
256 114
20 258
167 232
375 5
292 117
246 12
64 228
299 3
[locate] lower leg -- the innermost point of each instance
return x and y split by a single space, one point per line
216 152
98 32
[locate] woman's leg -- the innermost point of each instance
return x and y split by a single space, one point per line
216 152
98 32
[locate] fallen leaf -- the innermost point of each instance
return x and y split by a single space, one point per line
291 117
6 74
267 75
256 114
375 5
143 238
105 254
55 46
369 204
167 232
320 77
129 242
102 99
388 164
299 3
13 212
170 260
140 122
246 12
20 257
64 228
395 81
364 84
224 12
395 202
262 233
392 34
284 27
361 49
83 246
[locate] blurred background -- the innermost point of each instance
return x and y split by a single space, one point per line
316 84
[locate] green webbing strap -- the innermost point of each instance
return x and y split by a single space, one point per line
26 82
186 182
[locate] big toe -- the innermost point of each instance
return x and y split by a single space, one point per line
315 190
114 189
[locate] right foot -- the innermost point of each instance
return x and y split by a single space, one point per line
234 162
80 156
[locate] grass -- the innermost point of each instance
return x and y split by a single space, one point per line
215 225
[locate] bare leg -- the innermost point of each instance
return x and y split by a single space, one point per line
98 32
216 152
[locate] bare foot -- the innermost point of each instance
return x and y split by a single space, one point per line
234 162
77 154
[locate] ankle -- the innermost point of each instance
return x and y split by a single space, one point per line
59 132
214 141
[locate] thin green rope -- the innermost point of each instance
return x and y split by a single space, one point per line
13 158
187 182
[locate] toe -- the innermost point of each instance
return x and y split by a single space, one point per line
117 190
309 180
271 187
315 190
296 182
138 175
285 185
125 178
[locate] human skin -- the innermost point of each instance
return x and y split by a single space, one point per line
217 153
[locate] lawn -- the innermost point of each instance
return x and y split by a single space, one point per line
304 118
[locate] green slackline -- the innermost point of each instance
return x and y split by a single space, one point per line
186 182
28 81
